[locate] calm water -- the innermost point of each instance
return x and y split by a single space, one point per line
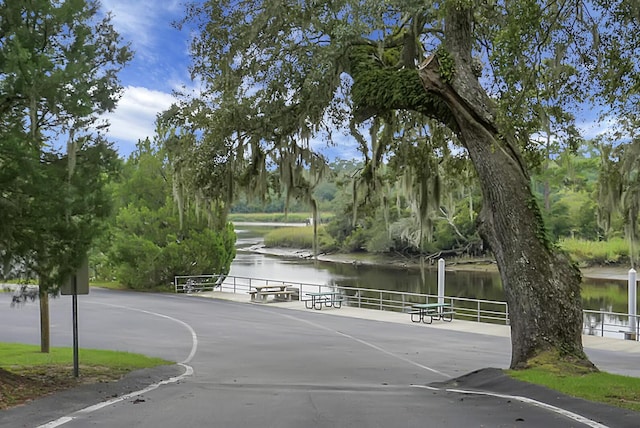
607 295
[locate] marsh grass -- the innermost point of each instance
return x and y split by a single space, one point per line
581 251
299 237
276 217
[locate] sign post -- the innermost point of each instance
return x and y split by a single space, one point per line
77 284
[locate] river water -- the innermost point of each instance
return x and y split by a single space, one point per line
598 294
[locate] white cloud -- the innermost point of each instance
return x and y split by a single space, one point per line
134 118
593 128
137 20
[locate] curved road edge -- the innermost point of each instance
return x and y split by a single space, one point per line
66 403
493 381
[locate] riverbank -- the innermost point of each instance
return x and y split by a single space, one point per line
617 273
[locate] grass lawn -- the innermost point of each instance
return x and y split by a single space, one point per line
26 373
615 390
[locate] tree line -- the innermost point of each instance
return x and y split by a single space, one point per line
414 83
568 187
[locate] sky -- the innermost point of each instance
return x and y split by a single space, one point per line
160 66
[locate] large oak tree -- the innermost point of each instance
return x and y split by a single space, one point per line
492 72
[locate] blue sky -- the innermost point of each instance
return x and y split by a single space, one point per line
160 65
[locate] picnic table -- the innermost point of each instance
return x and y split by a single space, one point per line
262 292
431 311
326 298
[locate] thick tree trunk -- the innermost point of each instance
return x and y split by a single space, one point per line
542 288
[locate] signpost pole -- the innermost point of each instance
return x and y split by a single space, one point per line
74 300
78 283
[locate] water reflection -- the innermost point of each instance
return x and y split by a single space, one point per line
475 285
598 294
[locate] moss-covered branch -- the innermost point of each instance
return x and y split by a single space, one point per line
377 89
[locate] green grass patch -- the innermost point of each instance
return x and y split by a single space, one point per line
26 373
612 389
587 253
15 355
299 237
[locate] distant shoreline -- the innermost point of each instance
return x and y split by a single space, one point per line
618 273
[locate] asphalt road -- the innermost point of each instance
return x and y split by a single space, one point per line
247 365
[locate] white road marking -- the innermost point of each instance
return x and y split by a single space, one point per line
566 413
188 372
574 416
364 342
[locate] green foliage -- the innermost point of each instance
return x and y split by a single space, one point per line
274 204
46 47
356 240
541 62
148 244
573 213
376 91
58 72
65 215
137 261
619 189
447 64
586 219
378 239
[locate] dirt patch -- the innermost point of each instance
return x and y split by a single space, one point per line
22 385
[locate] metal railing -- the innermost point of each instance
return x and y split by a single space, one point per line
384 300
197 283
610 324
596 323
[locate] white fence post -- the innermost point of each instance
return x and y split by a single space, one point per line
633 333
440 282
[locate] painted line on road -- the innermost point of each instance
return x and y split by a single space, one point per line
560 411
363 342
187 372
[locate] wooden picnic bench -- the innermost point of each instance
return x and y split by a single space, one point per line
422 312
279 292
